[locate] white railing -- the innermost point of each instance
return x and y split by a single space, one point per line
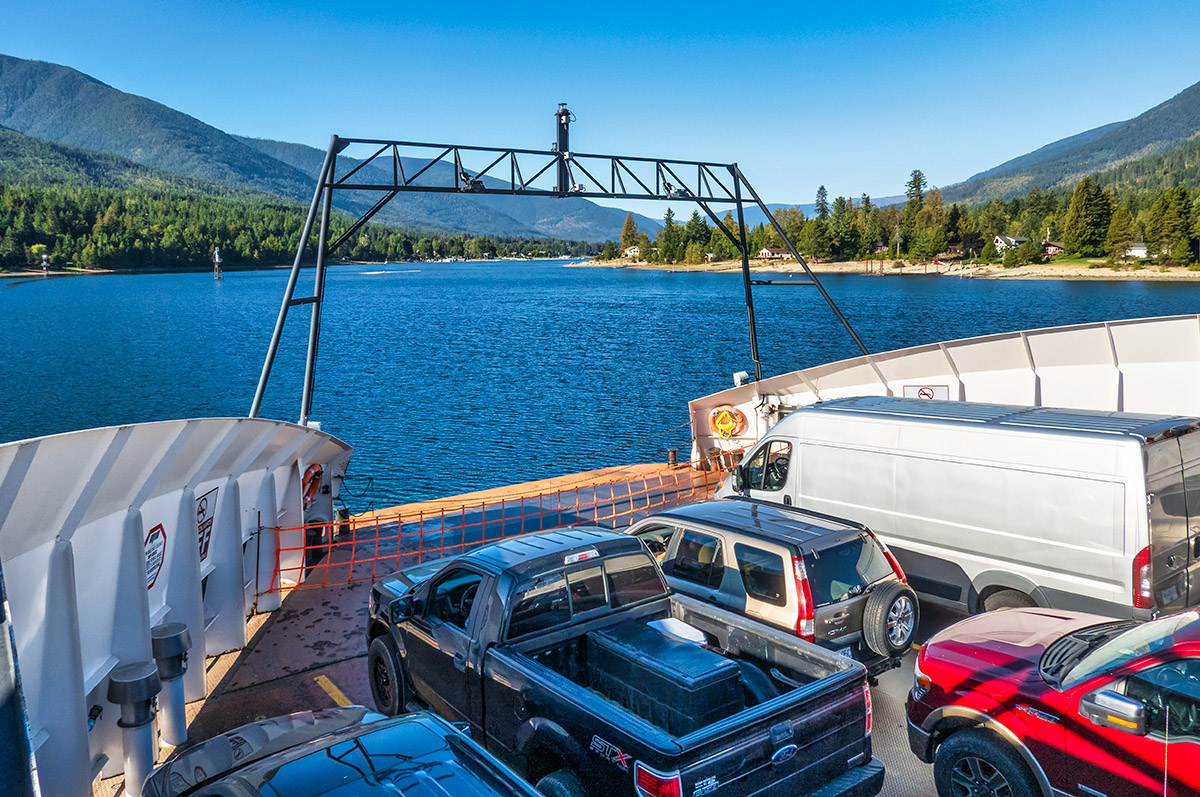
105 533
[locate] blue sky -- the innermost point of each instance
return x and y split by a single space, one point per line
854 96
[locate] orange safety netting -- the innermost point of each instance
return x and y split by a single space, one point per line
370 546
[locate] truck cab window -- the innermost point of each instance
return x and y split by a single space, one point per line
1171 695
538 606
451 598
699 560
768 467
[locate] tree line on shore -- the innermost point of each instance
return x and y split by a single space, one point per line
1088 220
93 227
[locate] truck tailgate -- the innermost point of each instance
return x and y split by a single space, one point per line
792 744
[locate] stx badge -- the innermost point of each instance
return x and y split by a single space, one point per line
609 750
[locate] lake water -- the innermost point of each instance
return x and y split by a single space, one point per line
450 377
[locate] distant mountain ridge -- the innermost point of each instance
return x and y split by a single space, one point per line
1161 129
66 107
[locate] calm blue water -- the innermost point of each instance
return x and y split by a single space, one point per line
457 376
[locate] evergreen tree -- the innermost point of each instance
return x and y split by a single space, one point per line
915 191
1183 252
629 232
1088 217
822 203
696 230
1120 234
1169 220
815 243
670 239
609 252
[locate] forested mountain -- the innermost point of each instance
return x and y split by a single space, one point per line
31 160
64 106
1158 130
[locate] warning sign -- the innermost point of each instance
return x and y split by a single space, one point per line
156 551
938 392
206 510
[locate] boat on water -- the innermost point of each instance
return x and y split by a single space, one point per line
115 539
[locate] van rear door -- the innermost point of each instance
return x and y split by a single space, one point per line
1189 446
1169 543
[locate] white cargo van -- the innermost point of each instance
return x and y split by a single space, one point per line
988 505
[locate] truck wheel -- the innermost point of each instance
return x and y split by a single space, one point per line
1008 599
974 763
561 783
890 618
386 674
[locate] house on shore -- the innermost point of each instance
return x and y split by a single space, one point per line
767 253
1137 250
1002 242
1052 248
633 251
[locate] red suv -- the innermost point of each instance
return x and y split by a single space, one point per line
1025 702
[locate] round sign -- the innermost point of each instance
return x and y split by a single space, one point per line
726 421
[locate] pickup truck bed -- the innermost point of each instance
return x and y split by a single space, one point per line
508 638
822 714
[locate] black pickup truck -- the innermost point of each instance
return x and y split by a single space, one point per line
569 659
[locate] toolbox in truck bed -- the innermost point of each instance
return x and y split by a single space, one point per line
679 686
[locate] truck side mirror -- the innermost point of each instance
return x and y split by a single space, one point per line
1109 709
738 477
401 608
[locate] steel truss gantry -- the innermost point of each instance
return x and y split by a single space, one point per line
513 172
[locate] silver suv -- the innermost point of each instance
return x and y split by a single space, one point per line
826 579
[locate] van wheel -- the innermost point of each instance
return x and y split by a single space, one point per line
386 674
890 619
561 783
1008 599
974 763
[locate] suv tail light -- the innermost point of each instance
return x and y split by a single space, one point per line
805 619
1143 587
867 697
891 557
651 783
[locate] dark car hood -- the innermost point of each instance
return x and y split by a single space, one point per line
416 754
251 742
1005 644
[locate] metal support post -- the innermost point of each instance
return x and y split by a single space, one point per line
740 179
133 687
737 192
291 286
314 327
562 146
169 643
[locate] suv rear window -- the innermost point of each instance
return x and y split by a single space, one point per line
835 573
762 574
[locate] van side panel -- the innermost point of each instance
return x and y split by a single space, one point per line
967 509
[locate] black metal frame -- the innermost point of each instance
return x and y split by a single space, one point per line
575 176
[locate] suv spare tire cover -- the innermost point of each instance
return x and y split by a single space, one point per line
890 617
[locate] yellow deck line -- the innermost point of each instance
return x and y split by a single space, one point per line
331 689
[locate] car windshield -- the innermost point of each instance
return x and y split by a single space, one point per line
1141 641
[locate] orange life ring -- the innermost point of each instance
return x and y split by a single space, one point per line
726 421
311 482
